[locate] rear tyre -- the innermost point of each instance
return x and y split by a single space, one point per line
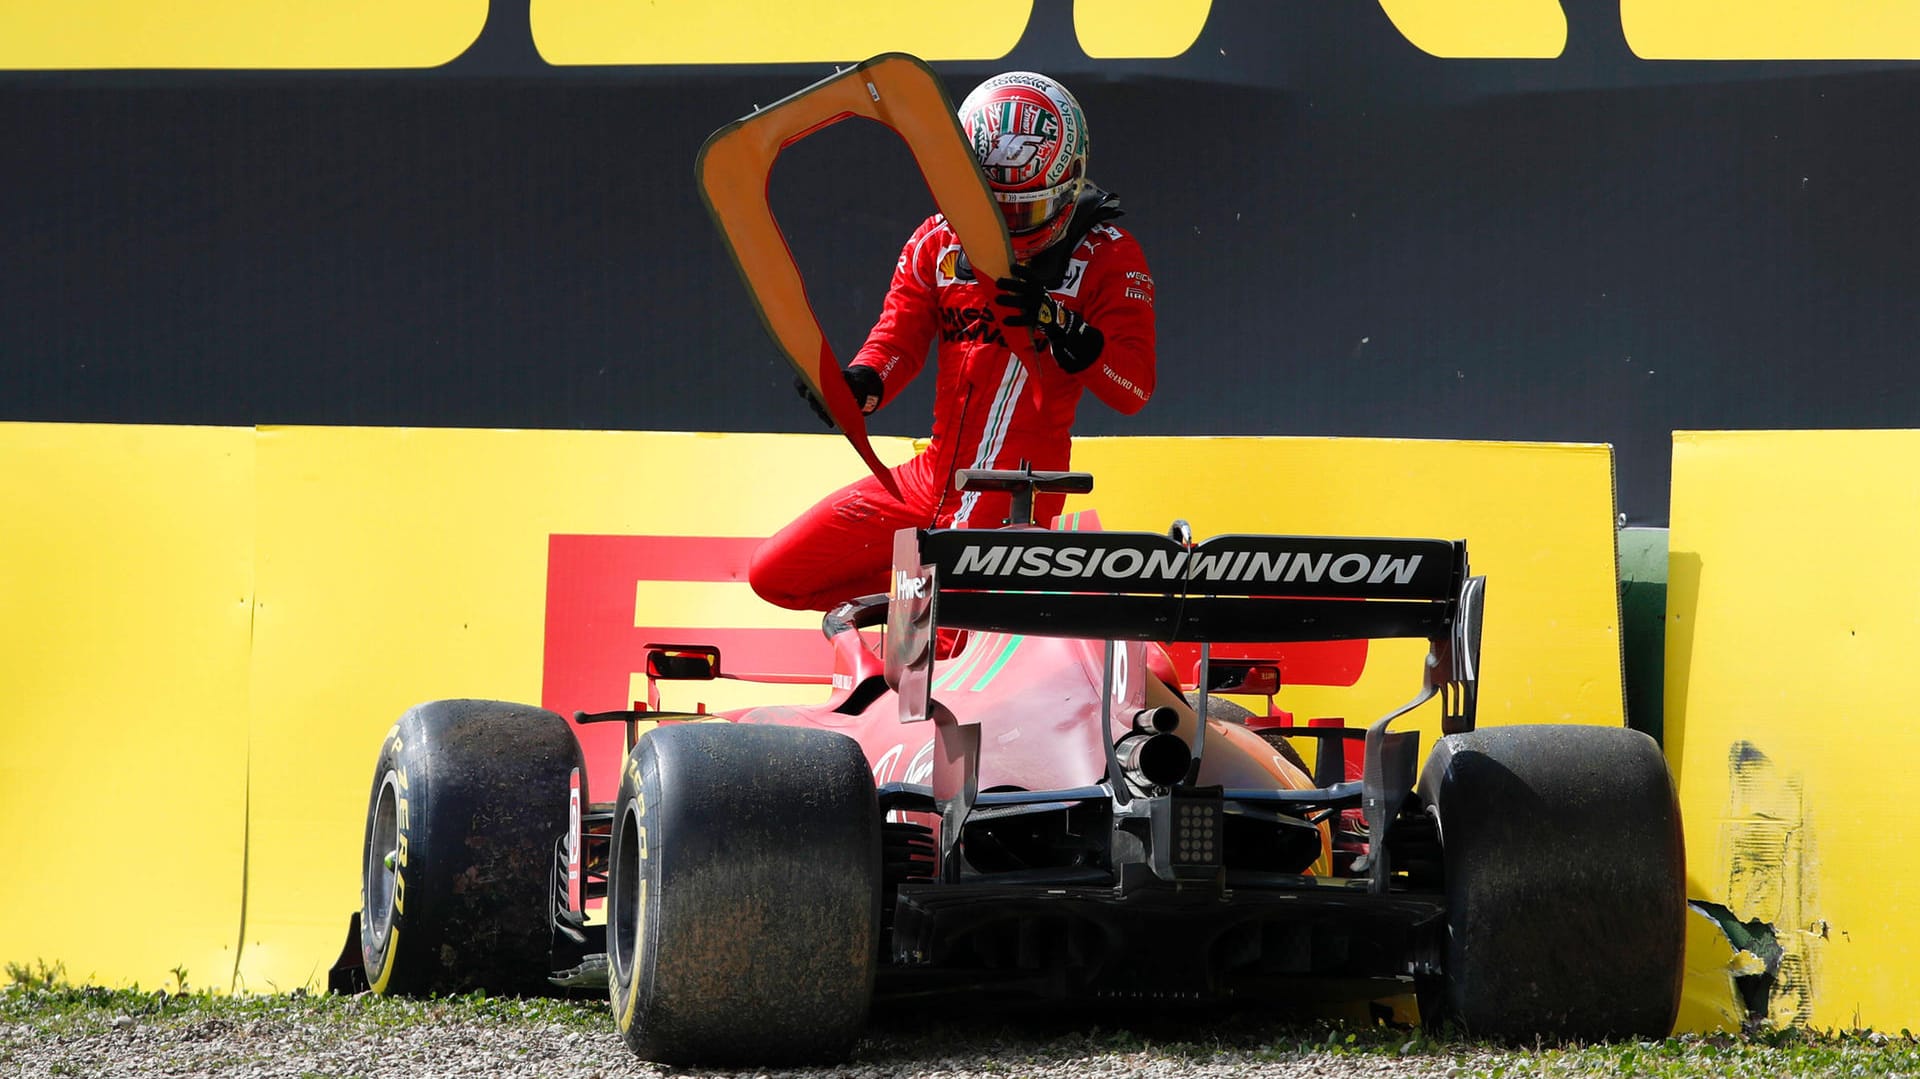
744 911
1565 883
1226 711
468 801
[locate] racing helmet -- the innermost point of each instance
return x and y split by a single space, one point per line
1030 138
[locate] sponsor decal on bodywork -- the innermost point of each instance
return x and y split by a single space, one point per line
1165 566
1137 562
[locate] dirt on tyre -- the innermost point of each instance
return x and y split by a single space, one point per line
744 911
1565 883
469 798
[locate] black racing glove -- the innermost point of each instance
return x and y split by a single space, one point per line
1075 344
863 382
867 388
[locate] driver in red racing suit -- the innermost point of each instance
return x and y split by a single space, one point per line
1081 289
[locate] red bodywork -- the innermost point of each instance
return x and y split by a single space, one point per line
1037 701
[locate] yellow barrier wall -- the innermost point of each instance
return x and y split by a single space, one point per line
403 565
1538 519
1791 626
397 565
126 576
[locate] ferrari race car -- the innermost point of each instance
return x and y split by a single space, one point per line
1012 792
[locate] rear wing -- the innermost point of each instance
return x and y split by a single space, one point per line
1149 587
1143 586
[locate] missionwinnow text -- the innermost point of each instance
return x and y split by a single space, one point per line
1162 565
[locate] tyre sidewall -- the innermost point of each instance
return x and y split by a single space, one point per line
630 980
388 942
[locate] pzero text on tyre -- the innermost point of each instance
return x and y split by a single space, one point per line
469 798
743 918
1565 882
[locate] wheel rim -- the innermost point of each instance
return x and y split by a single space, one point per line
383 843
623 905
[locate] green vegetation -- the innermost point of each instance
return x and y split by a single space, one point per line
40 1004
37 976
67 1009
1331 1047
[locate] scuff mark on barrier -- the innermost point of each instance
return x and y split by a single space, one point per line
1771 873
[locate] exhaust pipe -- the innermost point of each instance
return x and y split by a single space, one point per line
1159 759
1161 720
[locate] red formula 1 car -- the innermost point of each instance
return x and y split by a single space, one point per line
1009 793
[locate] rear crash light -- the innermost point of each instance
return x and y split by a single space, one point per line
1196 832
1189 834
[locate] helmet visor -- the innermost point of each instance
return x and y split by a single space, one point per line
1026 211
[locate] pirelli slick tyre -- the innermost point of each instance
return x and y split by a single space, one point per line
1223 710
468 801
744 911
1226 711
1565 883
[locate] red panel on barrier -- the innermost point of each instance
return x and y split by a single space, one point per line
593 648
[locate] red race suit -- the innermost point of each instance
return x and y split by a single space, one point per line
989 409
